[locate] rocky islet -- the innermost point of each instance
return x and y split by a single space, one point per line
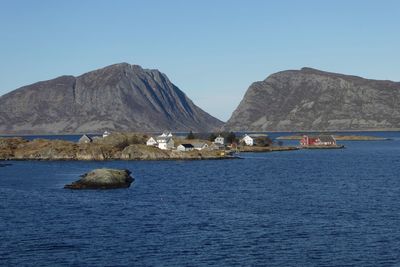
103 179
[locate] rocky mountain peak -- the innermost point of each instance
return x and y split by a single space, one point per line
315 100
118 97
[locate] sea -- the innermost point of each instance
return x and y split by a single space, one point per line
338 207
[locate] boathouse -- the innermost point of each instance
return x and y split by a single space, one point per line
318 140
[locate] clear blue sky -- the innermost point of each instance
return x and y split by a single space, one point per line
212 50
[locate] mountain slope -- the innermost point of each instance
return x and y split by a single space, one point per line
310 99
118 97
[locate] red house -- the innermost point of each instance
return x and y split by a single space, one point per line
318 140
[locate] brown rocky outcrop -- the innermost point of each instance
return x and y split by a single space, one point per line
103 179
9 145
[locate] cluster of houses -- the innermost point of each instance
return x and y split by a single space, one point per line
165 141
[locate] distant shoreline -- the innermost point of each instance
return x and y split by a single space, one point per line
88 133
182 132
321 132
339 138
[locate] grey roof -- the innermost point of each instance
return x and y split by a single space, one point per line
199 145
187 145
85 138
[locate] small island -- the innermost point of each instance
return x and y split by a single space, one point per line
256 149
135 146
339 138
117 146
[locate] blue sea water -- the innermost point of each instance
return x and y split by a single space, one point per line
298 208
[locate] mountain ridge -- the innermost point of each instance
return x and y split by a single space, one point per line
309 99
119 97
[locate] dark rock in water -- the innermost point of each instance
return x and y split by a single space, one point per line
4 165
103 179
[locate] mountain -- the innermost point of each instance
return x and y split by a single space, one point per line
119 97
314 100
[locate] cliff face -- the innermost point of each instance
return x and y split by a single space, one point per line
118 97
310 99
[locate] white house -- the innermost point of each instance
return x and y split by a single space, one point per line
151 142
219 140
248 140
200 146
105 134
165 141
185 147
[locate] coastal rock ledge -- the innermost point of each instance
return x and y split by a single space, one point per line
103 179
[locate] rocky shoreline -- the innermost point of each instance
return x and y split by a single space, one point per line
323 147
256 149
120 147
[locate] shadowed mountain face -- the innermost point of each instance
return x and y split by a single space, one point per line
118 97
310 99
